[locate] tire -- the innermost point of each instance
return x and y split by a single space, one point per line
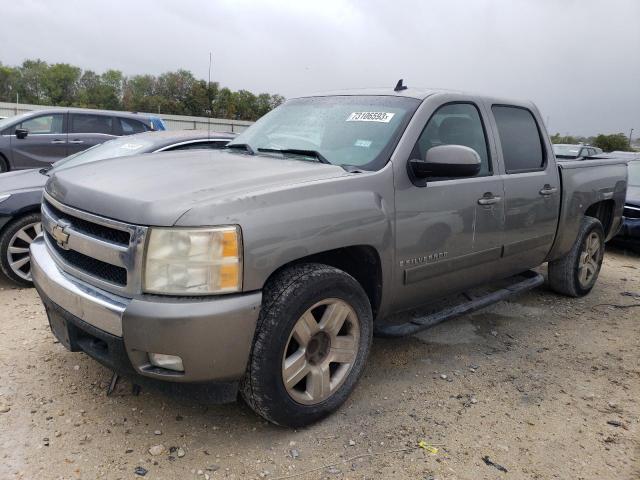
299 307
18 235
4 165
576 273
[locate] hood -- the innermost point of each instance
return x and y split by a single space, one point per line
22 180
633 196
158 188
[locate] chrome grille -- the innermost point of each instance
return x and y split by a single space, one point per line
103 252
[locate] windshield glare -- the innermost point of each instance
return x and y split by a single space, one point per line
634 174
347 130
119 147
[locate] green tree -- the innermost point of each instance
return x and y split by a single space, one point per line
177 92
609 143
60 84
30 87
9 80
223 104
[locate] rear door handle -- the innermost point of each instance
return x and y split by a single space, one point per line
548 190
56 141
76 141
489 199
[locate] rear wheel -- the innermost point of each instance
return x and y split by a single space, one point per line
15 240
311 344
4 166
576 273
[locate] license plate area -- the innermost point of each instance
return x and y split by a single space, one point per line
60 329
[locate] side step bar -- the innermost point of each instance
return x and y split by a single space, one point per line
522 282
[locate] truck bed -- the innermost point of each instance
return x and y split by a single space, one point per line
585 183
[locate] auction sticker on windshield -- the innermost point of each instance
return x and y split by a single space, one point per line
383 117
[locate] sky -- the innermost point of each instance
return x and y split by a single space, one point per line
578 60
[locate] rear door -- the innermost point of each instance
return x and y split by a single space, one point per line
448 230
531 184
45 143
88 129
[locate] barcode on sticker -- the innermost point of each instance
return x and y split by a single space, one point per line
383 117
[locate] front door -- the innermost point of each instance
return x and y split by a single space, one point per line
448 231
45 143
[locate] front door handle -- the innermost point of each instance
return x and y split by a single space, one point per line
548 190
489 199
77 141
57 142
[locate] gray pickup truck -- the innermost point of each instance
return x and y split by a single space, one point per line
266 268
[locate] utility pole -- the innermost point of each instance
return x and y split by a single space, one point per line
630 133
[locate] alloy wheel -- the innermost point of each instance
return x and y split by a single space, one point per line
589 259
321 351
18 251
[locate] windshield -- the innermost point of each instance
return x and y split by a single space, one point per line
119 147
634 174
571 151
345 130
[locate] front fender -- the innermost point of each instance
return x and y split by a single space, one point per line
286 224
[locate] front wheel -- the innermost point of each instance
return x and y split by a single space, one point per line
576 273
311 344
15 261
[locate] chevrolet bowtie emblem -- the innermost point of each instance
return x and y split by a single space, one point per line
61 237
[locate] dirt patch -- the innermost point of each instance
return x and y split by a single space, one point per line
544 386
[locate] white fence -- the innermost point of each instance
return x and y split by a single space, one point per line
173 122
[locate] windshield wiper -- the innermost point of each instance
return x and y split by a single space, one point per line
296 151
243 146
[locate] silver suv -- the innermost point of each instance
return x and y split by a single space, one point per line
39 138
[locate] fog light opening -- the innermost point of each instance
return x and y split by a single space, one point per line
170 362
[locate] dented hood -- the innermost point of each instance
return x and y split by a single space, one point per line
157 189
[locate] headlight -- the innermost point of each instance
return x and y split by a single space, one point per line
193 262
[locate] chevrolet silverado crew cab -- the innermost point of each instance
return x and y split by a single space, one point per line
265 268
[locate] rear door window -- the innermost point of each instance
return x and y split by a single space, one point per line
520 139
130 126
90 123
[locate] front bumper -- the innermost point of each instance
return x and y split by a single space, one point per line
212 336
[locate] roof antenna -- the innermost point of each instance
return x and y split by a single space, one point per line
399 86
209 100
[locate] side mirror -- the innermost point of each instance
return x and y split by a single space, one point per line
447 161
21 133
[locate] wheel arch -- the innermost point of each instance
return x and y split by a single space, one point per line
5 160
362 262
603 211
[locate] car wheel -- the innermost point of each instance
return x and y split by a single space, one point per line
4 166
575 274
14 248
311 344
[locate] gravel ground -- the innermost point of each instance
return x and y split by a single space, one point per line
544 386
